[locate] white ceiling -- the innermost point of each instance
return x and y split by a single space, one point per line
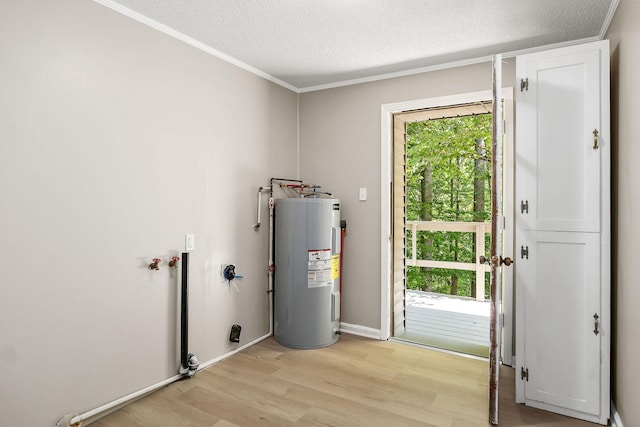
309 44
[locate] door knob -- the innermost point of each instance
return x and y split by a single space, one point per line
503 261
506 261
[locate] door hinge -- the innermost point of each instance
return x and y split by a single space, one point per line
524 373
524 252
524 206
524 84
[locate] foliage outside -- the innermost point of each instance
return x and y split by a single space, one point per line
448 169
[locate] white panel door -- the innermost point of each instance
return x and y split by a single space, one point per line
563 231
562 348
561 103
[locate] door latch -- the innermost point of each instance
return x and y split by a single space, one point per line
596 324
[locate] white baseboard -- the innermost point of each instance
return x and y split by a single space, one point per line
213 361
362 331
615 416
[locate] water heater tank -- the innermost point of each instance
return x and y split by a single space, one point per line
307 272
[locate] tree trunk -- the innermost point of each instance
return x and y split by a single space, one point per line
480 168
454 285
426 192
426 196
455 193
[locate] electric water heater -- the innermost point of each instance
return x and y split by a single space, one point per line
307 272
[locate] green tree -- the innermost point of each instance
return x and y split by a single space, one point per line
446 169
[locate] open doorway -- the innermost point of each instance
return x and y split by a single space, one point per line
447 203
435 288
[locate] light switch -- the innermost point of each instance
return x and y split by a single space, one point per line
363 194
189 242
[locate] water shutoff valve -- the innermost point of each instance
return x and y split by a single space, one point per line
229 272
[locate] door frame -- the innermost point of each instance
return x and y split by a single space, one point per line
386 132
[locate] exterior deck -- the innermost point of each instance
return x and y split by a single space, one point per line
453 323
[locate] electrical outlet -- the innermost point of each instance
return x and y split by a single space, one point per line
189 242
234 336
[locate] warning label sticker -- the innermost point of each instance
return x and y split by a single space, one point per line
319 268
335 266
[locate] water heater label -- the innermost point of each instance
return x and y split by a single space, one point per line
319 268
335 266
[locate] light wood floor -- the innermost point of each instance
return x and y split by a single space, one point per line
356 382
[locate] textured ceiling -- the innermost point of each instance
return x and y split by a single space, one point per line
311 43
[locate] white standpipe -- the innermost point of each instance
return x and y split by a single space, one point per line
256 227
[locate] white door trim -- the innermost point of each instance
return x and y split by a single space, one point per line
386 147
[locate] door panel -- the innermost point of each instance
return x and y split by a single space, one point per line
563 167
562 351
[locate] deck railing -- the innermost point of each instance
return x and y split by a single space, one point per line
479 228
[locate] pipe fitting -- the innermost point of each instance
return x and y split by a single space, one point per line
191 367
173 263
256 226
155 264
66 421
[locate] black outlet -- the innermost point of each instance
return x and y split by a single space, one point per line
234 336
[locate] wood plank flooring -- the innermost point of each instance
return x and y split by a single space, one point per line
356 382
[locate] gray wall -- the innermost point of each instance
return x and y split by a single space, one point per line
115 141
625 108
340 149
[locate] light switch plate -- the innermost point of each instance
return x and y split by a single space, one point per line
189 242
363 194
